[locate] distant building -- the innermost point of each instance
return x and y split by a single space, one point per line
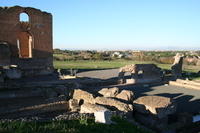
117 55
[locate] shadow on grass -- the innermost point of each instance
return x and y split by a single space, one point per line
72 126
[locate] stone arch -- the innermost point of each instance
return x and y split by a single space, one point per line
24 17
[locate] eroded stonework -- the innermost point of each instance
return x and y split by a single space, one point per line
177 66
28 44
141 73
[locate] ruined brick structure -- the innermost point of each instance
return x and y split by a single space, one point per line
141 73
28 44
177 66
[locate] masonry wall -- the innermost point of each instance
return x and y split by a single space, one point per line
39 27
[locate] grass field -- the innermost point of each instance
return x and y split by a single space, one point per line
91 64
72 126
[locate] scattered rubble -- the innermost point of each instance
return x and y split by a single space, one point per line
73 98
92 108
153 111
109 92
86 97
74 105
114 103
141 73
156 105
126 95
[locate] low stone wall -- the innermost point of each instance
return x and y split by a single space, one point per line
186 84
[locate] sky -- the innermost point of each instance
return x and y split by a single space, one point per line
121 24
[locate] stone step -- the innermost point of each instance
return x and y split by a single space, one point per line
196 87
188 82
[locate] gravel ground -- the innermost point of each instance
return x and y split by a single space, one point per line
100 74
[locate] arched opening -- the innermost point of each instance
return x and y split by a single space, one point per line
23 17
25 45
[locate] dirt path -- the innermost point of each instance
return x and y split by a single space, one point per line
100 74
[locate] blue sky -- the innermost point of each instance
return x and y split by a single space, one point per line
121 24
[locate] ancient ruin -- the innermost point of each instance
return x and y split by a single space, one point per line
26 50
141 73
27 44
177 66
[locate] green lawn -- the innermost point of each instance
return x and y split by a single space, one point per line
91 64
72 126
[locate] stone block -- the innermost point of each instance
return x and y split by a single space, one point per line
109 92
130 81
103 117
156 105
74 105
83 95
114 103
92 108
126 95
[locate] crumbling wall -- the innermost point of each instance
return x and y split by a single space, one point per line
141 73
37 32
177 66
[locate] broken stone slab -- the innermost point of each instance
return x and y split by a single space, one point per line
141 73
109 92
126 95
83 95
155 105
74 105
92 108
130 81
114 103
103 117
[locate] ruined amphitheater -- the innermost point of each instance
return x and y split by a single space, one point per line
32 89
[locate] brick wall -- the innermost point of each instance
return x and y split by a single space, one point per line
39 28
